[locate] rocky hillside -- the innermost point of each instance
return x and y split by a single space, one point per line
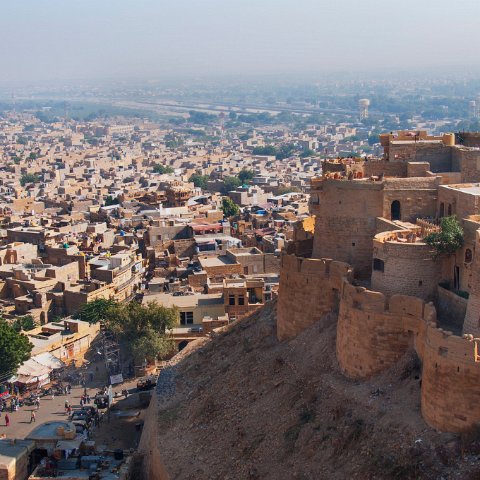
246 406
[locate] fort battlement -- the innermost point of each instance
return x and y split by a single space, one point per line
309 289
375 330
404 264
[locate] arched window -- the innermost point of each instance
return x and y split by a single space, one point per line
395 210
442 210
468 256
449 211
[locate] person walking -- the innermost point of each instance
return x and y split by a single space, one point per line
32 416
7 420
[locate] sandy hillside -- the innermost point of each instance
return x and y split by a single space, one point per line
246 406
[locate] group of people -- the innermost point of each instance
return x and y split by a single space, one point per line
85 399
14 405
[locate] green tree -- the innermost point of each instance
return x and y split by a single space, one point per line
32 156
291 189
285 151
200 181
150 345
449 239
96 310
373 139
15 348
246 176
230 183
307 152
140 327
28 178
229 207
25 323
109 200
161 169
266 150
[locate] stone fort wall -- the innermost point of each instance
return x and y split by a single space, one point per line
373 332
403 268
309 288
450 380
373 335
345 222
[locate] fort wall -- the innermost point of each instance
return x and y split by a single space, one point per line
450 381
373 335
345 222
404 268
467 161
309 288
472 317
374 331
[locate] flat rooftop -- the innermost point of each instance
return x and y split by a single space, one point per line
469 188
11 451
48 431
184 301
219 261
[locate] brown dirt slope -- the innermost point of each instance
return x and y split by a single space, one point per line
249 407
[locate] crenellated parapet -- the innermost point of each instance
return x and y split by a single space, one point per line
309 288
373 332
450 380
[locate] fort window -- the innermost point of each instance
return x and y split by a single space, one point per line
241 300
468 256
420 283
395 210
443 351
442 210
186 318
378 265
449 210
231 299
353 244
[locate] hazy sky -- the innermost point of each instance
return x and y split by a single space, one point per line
57 39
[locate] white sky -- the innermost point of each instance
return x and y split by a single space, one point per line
67 39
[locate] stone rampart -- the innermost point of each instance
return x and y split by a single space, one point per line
405 266
372 334
309 288
450 381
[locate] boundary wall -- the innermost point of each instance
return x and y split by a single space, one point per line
309 288
374 331
373 335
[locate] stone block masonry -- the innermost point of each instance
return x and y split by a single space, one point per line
373 332
309 289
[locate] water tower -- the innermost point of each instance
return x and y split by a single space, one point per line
363 104
472 108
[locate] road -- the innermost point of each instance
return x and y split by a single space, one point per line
53 409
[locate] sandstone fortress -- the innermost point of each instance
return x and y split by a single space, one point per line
369 264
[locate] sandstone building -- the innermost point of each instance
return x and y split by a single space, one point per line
369 264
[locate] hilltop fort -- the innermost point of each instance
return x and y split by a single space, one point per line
370 263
